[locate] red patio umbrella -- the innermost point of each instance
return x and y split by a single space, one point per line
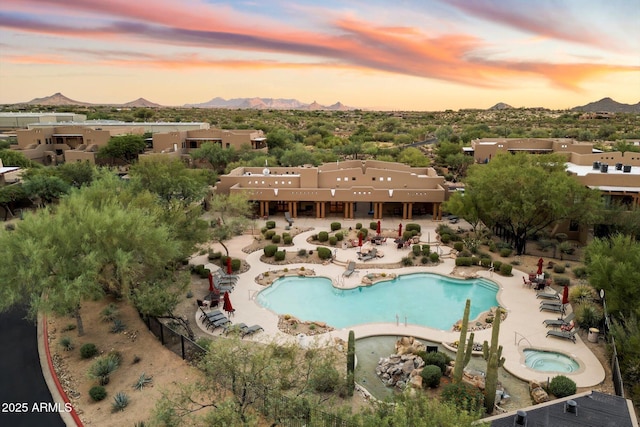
226 306
400 230
359 239
540 262
229 265
565 295
210 282
379 229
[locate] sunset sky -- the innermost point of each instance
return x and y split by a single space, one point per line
373 54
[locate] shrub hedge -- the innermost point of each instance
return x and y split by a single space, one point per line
270 250
562 386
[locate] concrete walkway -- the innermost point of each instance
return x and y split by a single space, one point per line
523 327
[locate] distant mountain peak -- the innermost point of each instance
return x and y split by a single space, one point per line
265 104
608 105
55 99
501 106
141 102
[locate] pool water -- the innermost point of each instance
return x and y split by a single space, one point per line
549 361
423 299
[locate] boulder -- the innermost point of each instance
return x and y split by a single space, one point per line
409 345
537 393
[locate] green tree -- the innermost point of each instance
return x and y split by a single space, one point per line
43 188
10 195
75 174
458 164
446 149
123 148
217 156
170 179
297 156
281 138
15 158
233 213
444 133
413 157
526 193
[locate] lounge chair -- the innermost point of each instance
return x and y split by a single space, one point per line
252 330
287 217
370 255
235 328
222 288
550 306
548 295
224 277
569 335
219 322
559 322
351 267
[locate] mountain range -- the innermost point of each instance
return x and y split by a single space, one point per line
58 99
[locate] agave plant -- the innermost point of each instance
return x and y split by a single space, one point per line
118 326
66 343
120 401
142 381
102 368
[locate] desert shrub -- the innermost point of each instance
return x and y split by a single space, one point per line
561 237
70 327
497 265
340 236
464 396
323 236
431 375
413 227
333 240
582 293
324 253
215 255
436 358
270 250
373 225
589 315
269 234
287 240
485 262
566 248
475 260
110 312
103 367
407 262
562 281
562 386
558 268
426 249
364 232
263 230
463 261
358 226
444 229
204 342
458 246
416 249
302 252
236 264
505 269
465 253
493 247
88 350
445 238
505 252
276 238
580 272
325 378
280 255
335 226
407 235
66 343
434 257
120 401
270 225
424 260
97 393
545 244
117 326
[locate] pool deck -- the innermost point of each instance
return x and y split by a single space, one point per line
523 327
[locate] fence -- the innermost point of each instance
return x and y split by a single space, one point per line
284 411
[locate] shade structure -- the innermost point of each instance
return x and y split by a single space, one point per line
540 262
226 306
210 282
565 295
229 265
400 230
359 239
379 229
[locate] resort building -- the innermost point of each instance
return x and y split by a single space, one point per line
483 150
12 121
349 189
187 140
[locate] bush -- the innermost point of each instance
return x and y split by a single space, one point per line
323 236
485 262
544 244
562 281
431 375
324 253
302 252
505 252
589 315
416 249
270 225
325 378
373 225
562 386
424 260
66 343
407 235
214 255
276 238
236 264
582 293
407 262
561 237
97 393
426 250
580 272
110 312
445 238
270 250
358 226
558 268
493 247
458 246
497 265
280 255
269 234
436 358
103 367
118 326
463 261
335 226
364 232
464 396
340 236
333 240
413 227
505 269
287 240
434 257
88 350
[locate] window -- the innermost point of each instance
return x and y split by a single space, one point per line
339 179
574 226
373 179
388 178
353 178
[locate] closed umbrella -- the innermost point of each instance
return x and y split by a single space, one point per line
565 295
540 262
229 265
226 306
210 282
379 229
400 230
359 239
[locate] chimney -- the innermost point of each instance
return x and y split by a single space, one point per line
618 166
596 165
520 419
626 169
571 407
604 167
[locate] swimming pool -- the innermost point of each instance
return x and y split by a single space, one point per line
549 361
424 299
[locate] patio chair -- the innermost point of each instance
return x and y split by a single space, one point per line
526 282
559 322
370 255
235 328
569 335
224 277
287 217
219 322
551 306
547 295
351 267
252 330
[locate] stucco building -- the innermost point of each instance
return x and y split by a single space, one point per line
185 140
348 189
483 150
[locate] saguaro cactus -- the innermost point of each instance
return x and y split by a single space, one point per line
493 356
464 349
